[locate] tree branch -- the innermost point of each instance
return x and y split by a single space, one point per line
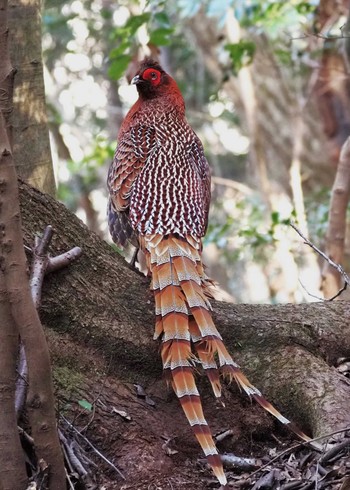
331 262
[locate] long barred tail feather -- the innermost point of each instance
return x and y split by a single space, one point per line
205 357
189 336
185 388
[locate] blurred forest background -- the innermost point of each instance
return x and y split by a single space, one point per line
267 90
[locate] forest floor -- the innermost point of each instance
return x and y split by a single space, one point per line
144 433
292 350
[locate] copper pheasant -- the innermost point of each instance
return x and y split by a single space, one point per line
159 187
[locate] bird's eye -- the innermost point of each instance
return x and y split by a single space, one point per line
153 76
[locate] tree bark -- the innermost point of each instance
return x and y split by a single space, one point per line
288 351
29 120
6 70
336 232
13 471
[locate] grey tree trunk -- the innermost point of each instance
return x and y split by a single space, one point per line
33 161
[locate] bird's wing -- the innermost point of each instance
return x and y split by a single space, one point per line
203 169
130 156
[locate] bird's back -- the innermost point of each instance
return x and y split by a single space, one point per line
172 191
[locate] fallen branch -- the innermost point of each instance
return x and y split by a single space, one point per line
106 460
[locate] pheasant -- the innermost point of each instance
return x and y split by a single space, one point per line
159 195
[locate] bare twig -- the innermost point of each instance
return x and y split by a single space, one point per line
79 451
23 433
71 457
63 260
106 460
40 261
296 446
39 265
334 451
319 297
233 184
71 485
44 241
43 264
336 266
318 35
22 381
236 462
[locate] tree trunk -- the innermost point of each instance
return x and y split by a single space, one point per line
288 351
335 239
13 471
40 400
6 70
33 162
21 315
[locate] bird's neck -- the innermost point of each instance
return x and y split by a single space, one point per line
167 102
150 109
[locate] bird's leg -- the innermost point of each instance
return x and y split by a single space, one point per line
132 262
138 258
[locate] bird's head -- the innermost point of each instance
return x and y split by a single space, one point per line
152 81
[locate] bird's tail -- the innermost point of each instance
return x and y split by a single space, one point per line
189 336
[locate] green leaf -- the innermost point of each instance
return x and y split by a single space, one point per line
162 19
85 404
160 37
119 50
284 56
305 8
275 217
118 66
136 21
106 13
241 53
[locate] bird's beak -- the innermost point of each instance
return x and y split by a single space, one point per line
136 80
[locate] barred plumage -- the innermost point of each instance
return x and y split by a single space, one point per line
159 185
